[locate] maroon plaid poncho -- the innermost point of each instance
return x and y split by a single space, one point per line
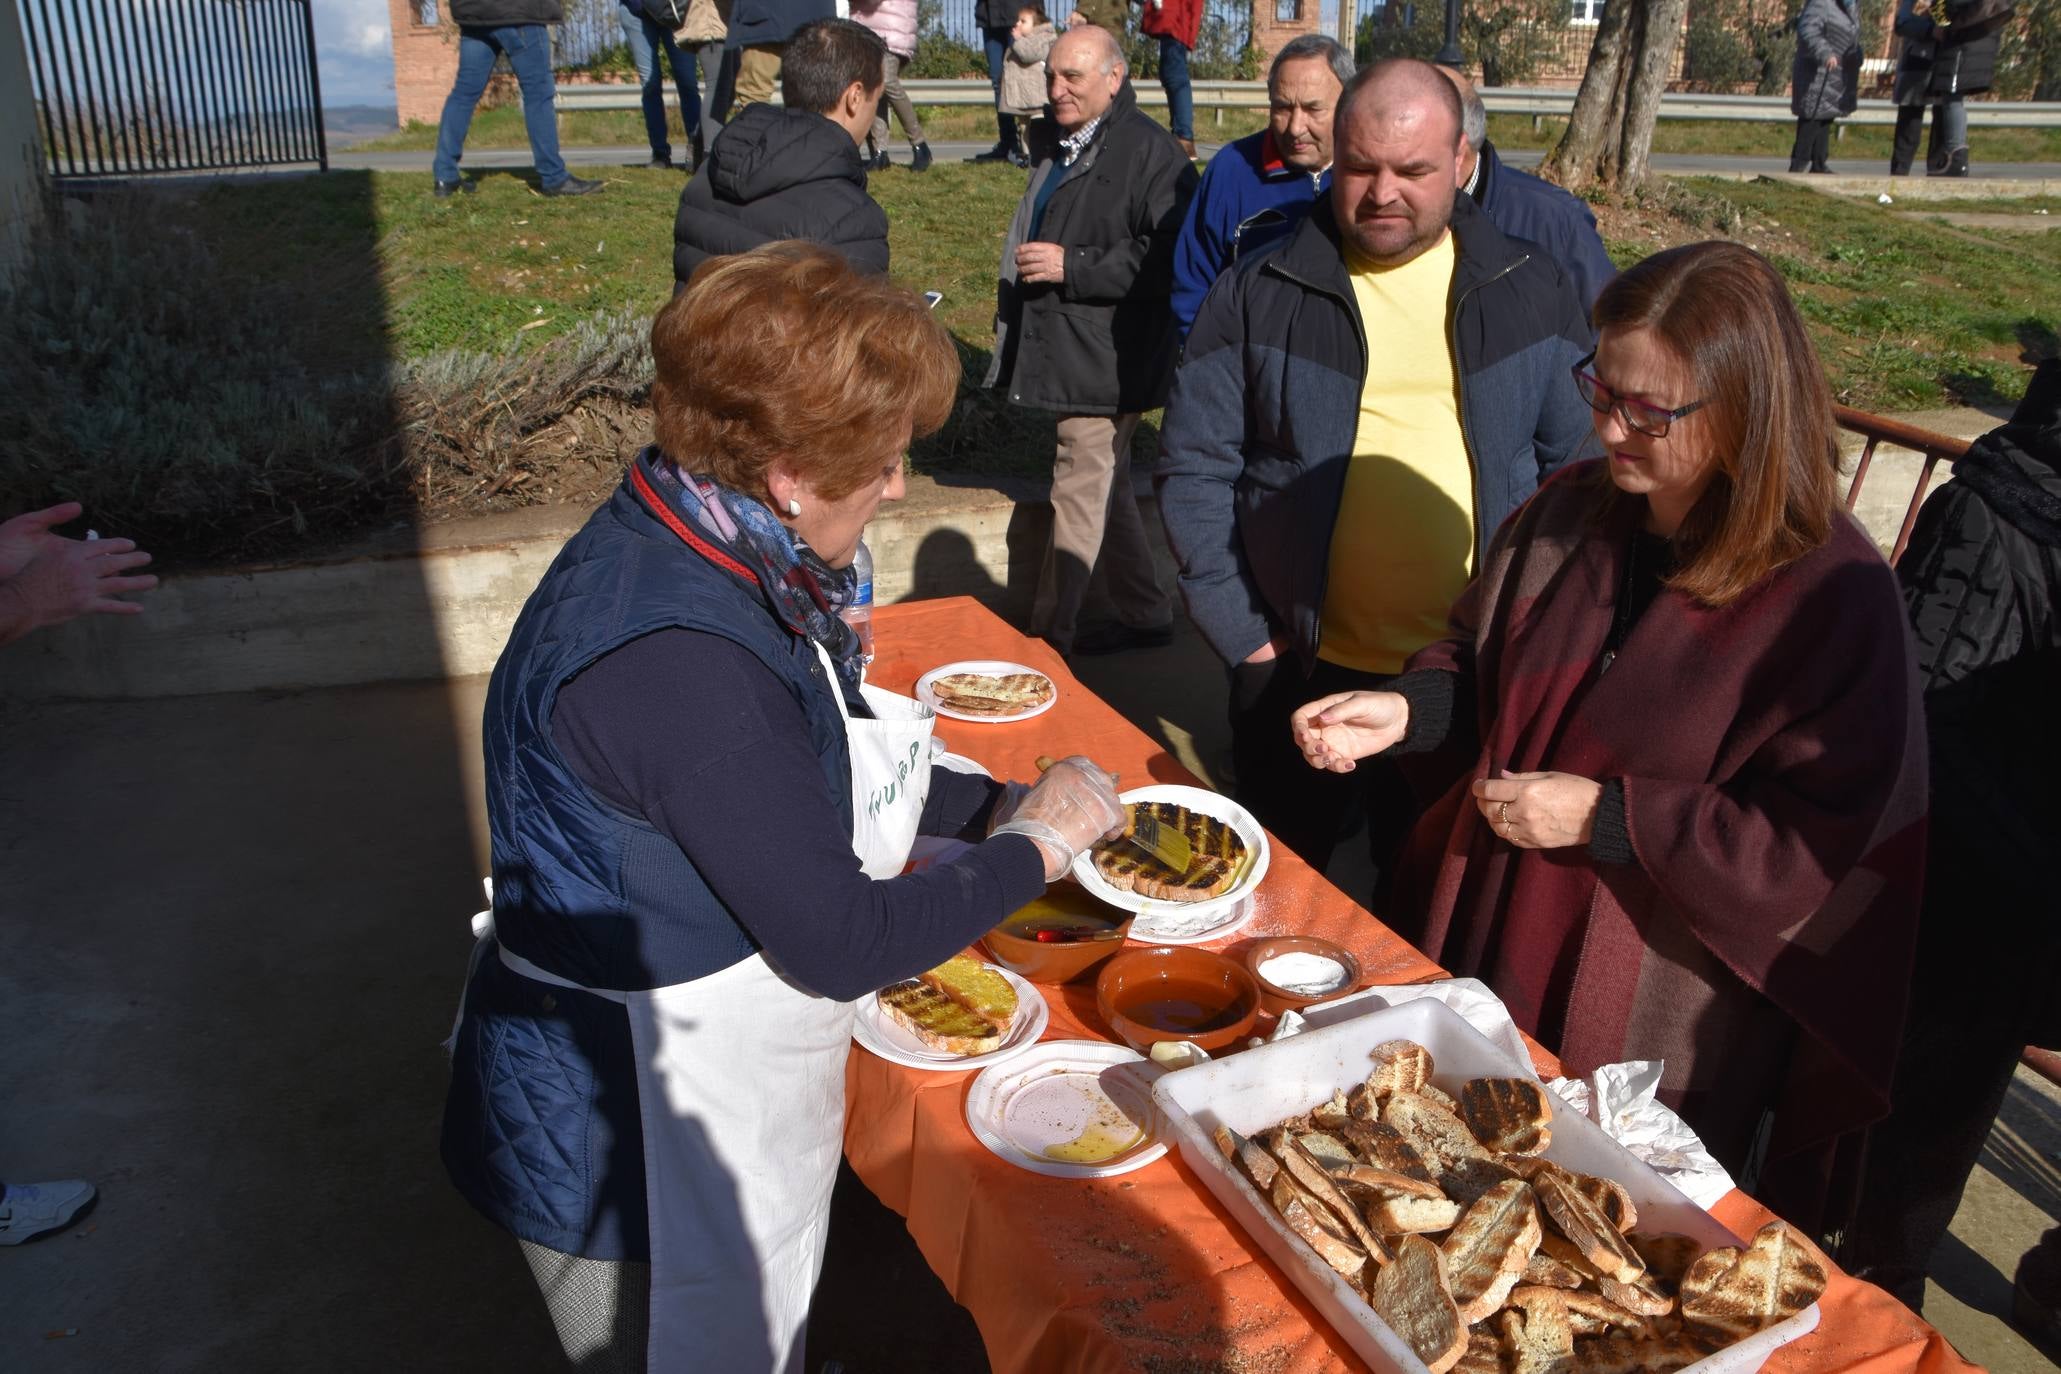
1772 753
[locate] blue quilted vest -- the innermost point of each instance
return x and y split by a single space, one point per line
541 1128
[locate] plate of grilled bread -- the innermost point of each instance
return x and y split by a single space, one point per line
987 690
1447 1213
1228 858
963 1014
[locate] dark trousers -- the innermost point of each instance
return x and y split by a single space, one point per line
1949 129
1308 810
1813 144
1987 959
996 41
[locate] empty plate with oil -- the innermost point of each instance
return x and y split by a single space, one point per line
1070 1109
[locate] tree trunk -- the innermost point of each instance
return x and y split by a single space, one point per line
1573 160
1610 134
1662 34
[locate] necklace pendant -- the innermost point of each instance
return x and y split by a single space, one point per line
1603 666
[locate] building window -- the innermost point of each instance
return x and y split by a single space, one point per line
1287 11
1585 12
426 11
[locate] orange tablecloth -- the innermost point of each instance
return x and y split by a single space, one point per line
1146 1271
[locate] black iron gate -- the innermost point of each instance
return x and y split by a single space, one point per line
127 87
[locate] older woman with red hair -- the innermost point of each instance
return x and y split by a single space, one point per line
1694 825
700 812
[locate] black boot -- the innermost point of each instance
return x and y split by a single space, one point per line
1957 165
919 159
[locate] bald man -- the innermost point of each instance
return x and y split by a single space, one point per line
1527 207
1083 329
1357 411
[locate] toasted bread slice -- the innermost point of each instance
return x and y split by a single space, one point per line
1581 1222
1667 1257
1256 1164
938 1021
1381 1145
1538 1339
1457 1162
1549 1272
1611 1200
992 694
1484 1354
1217 855
1507 1115
1400 1066
1310 1174
1468 1179
1331 1115
1645 1295
1566 1253
1619 1352
1327 1149
1434 1093
1773 1279
1365 1179
976 987
1411 1295
1489 1246
1399 1216
1313 1222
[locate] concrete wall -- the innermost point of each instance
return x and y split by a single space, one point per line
21 158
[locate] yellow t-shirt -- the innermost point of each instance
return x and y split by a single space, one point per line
1403 546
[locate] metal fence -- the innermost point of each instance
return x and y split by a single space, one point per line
124 87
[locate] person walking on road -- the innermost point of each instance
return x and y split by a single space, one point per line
514 29
648 41
1939 65
1825 82
894 23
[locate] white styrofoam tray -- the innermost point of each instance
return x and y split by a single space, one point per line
1252 1091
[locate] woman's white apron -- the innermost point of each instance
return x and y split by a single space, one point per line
740 1083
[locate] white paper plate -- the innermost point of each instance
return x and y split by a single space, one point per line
883 1035
1069 1092
993 667
1193 922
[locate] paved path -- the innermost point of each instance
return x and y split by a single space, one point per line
1681 165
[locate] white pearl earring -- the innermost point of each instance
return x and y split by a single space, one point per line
793 506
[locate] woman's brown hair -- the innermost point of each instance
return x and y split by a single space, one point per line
1724 312
785 351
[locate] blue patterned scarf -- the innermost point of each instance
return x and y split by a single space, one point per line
803 591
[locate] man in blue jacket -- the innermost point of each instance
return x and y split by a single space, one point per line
1528 207
1358 410
1258 188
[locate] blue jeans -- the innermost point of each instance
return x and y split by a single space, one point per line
646 39
528 49
997 42
1173 79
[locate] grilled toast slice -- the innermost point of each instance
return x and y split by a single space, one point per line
1489 1248
976 987
1729 1294
1218 853
990 694
1539 1339
1582 1222
1507 1115
1400 1066
1667 1256
1411 1295
939 1022
1619 1352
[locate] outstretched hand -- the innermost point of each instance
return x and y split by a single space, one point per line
31 533
68 578
1335 730
1539 810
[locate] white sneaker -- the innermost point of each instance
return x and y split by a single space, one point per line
30 1209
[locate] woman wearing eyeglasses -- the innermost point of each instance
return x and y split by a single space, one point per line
1694 827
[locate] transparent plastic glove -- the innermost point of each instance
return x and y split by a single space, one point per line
1072 806
1012 797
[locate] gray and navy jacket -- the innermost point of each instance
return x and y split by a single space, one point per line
1266 405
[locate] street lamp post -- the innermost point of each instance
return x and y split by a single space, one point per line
1450 55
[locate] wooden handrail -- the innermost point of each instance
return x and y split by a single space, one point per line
1876 429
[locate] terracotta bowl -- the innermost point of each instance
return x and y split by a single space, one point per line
1079 933
1177 993
1277 999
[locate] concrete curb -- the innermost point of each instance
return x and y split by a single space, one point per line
442 606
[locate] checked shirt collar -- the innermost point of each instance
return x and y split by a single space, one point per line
1072 146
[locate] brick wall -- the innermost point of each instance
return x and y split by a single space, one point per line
425 63
1270 32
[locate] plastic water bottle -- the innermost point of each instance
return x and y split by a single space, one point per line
859 615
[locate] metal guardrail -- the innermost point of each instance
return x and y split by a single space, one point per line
1538 102
174 85
1930 445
